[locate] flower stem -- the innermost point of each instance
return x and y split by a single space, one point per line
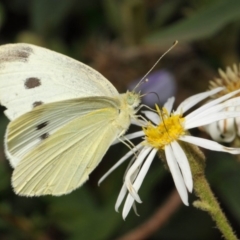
236 144
207 201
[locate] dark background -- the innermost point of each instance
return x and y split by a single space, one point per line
122 40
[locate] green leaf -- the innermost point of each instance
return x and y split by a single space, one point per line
205 23
81 216
46 15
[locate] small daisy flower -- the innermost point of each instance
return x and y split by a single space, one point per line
230 79
166 129
225 130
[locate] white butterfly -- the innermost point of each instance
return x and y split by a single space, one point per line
64 116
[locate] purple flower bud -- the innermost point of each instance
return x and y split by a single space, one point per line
162 82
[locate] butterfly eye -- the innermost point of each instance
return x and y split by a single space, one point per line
130 100
133 99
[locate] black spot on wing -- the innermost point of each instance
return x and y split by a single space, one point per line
32 82
23 52
44 136
37 103
42 125
15 53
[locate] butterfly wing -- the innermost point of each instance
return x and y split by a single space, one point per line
29 130
64 116
63 161
31 76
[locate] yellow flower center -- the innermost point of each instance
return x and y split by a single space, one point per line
170 129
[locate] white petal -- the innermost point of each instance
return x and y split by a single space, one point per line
135 208
138 182
127 206
221 131
141 157
121 196
197 122
137 122
129 136
169 104
176 174
225 106
123 159
193 100
212 103
130 202
144 169
183 164
154 117
208 144
124 190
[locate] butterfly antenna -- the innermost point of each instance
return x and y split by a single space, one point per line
143 78
151 93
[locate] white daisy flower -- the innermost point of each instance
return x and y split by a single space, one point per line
165 130
225 130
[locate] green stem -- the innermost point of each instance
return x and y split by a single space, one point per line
207 201
236 144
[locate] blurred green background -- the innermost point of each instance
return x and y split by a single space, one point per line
122 40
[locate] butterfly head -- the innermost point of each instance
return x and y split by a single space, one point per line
132 99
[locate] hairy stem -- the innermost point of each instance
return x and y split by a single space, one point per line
207 201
